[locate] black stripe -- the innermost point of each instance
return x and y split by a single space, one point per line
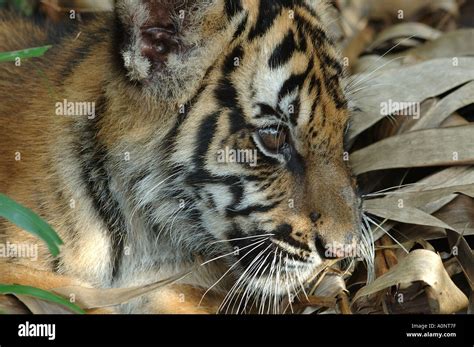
283 233
61 31
331 62
266 110
237 191
241 28
283 230
283 52
169 139
296 164
290 85
204 138
265 19
334 90
318 35
296 111
210 202
314 84
233 60
201 177
237 121
251 209
331 80
95 175
233 7
267 13
314 105
320 38
226 94
310 10
294 82
56 264
302 44
87 44
295 243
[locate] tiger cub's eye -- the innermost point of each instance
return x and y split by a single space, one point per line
273 139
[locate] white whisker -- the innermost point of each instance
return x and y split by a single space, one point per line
393 238
298 277
242 238
233 252
287 273
230 269
251 291
234 290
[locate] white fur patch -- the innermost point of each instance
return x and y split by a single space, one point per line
134 14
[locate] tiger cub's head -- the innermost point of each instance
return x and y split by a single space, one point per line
256 147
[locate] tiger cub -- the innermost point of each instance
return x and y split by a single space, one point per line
176 135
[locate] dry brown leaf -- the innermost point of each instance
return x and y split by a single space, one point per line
459 214
370 62
418 30
417 149
38 306
414 84
452 267
354 47
419 199
11 305
445 107
354 16
410 215
459 43
90 298
415 207
316 301
330 286
389 9
450 177
464 254
454 120
427 267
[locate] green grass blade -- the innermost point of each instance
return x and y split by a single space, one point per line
29 221
24 54
40 294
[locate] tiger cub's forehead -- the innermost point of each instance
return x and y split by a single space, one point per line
280 62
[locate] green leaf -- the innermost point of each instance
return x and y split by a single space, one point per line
39 293
29 221
24 54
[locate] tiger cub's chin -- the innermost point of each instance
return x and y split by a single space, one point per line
215 135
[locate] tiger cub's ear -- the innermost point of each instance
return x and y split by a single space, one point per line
152 31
